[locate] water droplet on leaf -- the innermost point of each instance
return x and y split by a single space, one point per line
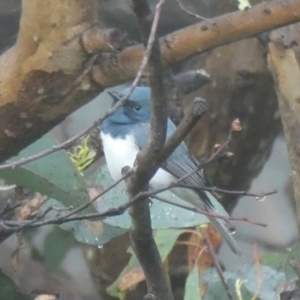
261 198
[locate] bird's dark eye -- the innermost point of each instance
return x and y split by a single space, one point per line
136 107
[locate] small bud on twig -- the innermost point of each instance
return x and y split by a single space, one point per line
199 107
236 125
226 155
216 147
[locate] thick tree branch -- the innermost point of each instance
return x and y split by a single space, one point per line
286 73
204 36
36 75
147 158
141 234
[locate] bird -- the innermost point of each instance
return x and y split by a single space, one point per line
125 133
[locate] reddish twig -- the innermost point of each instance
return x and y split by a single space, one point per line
258 196
199 211
218 267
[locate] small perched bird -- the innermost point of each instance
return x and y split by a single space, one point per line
125 133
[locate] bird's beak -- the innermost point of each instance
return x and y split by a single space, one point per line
115 96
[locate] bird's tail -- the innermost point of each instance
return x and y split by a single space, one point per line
221 224
196 199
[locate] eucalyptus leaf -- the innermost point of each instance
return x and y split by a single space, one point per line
191 289
53 175
165 241
290 274
265 284
85 231
163 215
215 291
9 290
56 176
56 246
95 232
274 261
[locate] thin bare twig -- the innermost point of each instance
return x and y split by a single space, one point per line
146 194
258 196
214 155
193 14
86 205
169 146
218 267
116 211
29 223
258 271
9 208
199 211
15 226
172 146
19 225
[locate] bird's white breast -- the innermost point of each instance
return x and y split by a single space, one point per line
119 153
122 152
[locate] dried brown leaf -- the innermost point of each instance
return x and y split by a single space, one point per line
133 277
25 211
22 244
196 250
94 227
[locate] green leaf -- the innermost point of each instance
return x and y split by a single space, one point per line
274 261
87 232
9 290
191 289
267 284
289 271
56 245
163 215
165 241
216 291
53 175
56 176
95 232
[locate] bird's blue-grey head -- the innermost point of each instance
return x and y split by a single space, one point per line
136 109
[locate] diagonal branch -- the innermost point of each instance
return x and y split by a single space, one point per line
204 36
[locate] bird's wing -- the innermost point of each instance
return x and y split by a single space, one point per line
179 163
